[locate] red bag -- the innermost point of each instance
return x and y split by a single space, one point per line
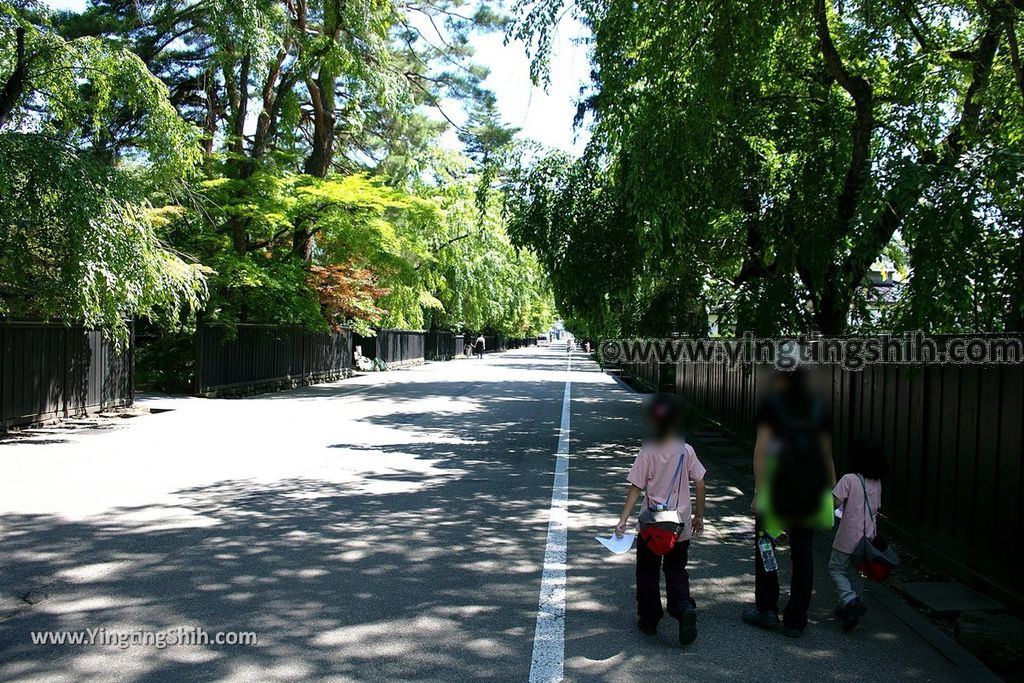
660 541
875 559
661 528
875 571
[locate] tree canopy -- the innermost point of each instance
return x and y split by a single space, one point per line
753 160
265 161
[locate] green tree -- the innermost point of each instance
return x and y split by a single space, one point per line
764 155
78 240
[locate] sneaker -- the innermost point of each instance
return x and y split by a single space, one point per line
754 616
852 614
647 629
688 626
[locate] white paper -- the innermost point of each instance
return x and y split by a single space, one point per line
617 545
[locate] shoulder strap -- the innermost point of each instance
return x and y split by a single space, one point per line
867 504
676 477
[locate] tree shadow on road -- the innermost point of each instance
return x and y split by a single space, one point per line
401 560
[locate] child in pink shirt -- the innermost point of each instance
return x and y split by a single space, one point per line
662 472
859 494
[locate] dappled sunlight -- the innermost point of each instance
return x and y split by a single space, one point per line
375 525
390 538
602 640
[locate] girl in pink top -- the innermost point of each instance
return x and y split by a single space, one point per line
662 472
859 495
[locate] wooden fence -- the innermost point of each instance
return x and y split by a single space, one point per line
50 371
440 345
523 343
256 358
250 359
953 436
400 347
651 374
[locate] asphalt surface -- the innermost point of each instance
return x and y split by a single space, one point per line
386 528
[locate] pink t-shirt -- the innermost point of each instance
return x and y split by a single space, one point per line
855 516
653 471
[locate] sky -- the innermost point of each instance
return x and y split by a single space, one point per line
544 114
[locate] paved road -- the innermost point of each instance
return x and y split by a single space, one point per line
390 527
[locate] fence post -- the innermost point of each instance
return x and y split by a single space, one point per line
131 365
3 364
197 374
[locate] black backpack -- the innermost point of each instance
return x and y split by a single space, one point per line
800 477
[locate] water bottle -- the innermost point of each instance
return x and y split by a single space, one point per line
764 546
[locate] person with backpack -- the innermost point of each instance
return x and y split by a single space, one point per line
662 472
793 478
859 495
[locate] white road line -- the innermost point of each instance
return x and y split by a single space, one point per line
549 637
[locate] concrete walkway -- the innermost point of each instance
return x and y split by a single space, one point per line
390 527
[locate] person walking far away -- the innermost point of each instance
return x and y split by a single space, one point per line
859 496
793 475
662 472
480 344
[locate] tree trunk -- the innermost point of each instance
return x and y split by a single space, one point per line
321 90
238 166
212 111
831 314
318 163
302 244
1015 316
15 84
836 289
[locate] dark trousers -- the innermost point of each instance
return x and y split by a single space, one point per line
648 581
801 583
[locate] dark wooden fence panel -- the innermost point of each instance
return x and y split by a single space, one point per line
647 372
400 346
521 343
254 358
953 434
50 371
440 345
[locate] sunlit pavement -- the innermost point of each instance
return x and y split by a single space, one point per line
390 527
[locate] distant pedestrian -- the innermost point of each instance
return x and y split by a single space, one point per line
858 494
662 472
481 343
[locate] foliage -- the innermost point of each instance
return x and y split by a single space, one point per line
347 293
754 159
286 147
76 241
76 246
84 91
